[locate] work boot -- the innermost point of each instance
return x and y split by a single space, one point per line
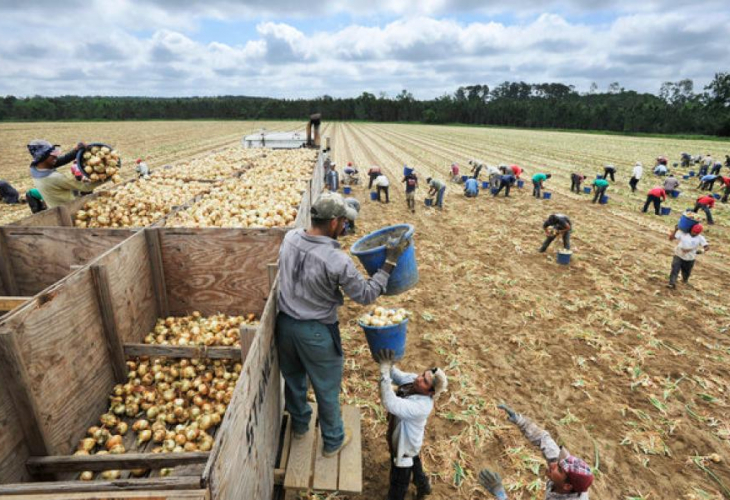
345 442
423 490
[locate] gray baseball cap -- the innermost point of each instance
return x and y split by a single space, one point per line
330 206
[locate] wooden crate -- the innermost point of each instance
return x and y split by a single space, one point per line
62 352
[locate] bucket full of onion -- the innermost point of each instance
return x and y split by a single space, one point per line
371 251
99 162
386 329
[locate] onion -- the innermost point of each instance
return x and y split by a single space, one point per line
86 476
110 475
144 436
113 441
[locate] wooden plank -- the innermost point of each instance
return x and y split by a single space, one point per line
286 445
154 247
299 467
171 351
79 463
7 273
119 495
17 382
10 303
63 487
111 331
247 334
326 469
350 480
273 270
64 216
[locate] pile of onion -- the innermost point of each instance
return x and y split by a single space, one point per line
101 163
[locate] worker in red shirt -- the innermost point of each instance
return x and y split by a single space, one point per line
517 170
705 203
726 183
656 195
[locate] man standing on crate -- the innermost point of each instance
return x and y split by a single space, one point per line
313 274
599 189
554 226
408 410
569 477
688 246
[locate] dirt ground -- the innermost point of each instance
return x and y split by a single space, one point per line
626 373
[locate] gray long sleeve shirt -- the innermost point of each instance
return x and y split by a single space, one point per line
312 270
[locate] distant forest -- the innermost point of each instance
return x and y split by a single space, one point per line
678 109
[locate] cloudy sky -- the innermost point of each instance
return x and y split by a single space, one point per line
288 48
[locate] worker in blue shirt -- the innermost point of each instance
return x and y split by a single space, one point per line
471 187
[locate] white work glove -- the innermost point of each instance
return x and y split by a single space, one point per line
386 359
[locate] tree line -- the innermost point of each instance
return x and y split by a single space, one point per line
678 109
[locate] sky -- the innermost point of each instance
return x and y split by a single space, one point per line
297 49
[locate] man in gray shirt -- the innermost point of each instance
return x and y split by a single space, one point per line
312 270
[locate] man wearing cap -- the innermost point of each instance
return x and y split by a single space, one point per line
350 177
313 274
142 169
685 253
408 410
569 477
476 168
636 176
55 187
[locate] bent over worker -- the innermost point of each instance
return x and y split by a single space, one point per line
313 273
538 183
569 477
554 226
705 203
656 196
437 188
408 410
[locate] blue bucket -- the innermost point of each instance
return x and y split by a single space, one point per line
603 200
485 184
405 274
564 258
674 193
429 202
546 195
407 171
599 176
494 190
387 337
587 190
666 210
520 184
346 190
691 173
685 224
716 196
373 195
464 178
685 177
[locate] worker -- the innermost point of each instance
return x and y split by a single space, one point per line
516 170
705 203
143 171
350 177
411 182
438 188
332 179
55 187
471 187
506 181
716 168
656 195
455 173
373 174
537 184
569 477
8 193
476 167
313 274
575 181
726 183
554 226
685 253
34 198
686 158
609 170
636 176
408 410
671 183
382 184
494 174
706 165
599 189
660 170
727 161
350 223
707 182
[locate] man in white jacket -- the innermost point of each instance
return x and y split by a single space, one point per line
408 410
637 173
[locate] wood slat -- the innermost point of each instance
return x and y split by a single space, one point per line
63 487
299 468
154 247
119 495
180 351
350 480
326 469
10 303
79 463
111 329
6 271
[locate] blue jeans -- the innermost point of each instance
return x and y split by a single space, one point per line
440 197
307 349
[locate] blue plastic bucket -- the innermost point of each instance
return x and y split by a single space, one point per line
685 177
464 178
716 196
666 210
429 202
599 176
373 195
587 190
494 190
603 200
520 184
346 190
546 195
485 184
564 258
685 223
405 274
387 337
407 171
674 193
691 173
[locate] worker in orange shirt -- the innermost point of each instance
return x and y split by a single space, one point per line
705 203
656 195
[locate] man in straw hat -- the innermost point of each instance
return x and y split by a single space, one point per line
569 477
409 407
313 274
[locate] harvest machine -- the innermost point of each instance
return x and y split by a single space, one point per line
287 140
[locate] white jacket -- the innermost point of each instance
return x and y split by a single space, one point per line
411 415
638 171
